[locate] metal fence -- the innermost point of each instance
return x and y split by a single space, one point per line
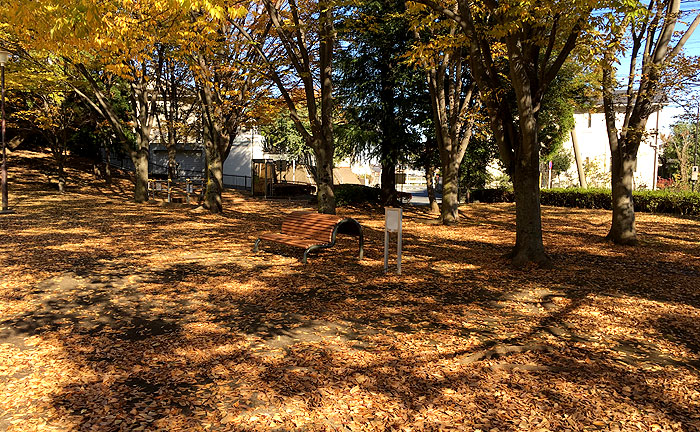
237 181
161 171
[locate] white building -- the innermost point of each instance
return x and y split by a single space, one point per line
248 145
594 149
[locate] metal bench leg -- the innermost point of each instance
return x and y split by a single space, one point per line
314 247
255 247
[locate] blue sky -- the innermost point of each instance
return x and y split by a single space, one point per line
692 47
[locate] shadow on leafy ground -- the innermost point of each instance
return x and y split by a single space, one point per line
124 317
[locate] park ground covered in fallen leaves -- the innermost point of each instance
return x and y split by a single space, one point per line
116 316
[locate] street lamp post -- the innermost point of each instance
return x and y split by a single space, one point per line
4 56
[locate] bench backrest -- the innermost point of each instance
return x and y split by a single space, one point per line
310 225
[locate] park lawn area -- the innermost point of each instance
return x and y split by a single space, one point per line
116 316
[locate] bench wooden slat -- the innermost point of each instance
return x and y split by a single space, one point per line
311 225
311 230
288 240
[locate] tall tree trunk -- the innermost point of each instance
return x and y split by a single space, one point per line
528 217
450 192
622 227
324 177
172 162
140 159
61 175
108 164
451 97
430 182
388 180
325 146
389 141
526 171
623 230
215 184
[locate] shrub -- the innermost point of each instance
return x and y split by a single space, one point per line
684 203
660 201
353 194
577 197
492 195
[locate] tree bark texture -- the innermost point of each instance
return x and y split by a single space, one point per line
450 192
623 151
452 95
430 182
215 147
388 192
143 105
389 135
324 178
140 159
528 218
108 164
215 175
623 230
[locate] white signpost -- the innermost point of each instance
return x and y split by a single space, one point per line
393 218
694 173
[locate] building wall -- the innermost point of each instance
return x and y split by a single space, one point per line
595 150
190 161
247 146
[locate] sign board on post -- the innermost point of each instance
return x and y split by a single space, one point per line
393 223
694 173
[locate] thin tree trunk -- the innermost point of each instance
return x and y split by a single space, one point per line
172 162
61 175
107 165
430 182
622 230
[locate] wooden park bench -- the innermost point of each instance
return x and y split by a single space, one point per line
311 231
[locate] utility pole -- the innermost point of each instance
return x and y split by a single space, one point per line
656 152
695 151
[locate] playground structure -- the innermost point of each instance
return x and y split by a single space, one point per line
270 179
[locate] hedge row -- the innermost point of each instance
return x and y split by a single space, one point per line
353 194
644 201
